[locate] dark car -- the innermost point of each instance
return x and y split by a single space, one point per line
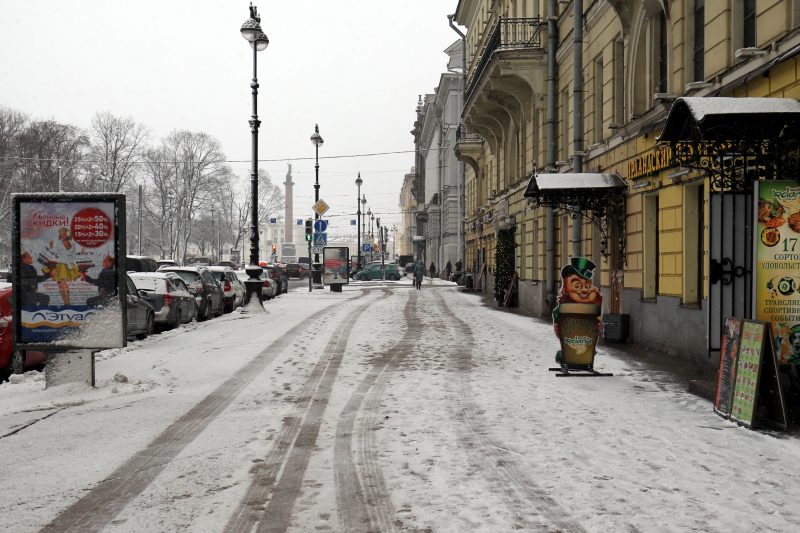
141 317
206 290
12 362
172 302
296 270
140 263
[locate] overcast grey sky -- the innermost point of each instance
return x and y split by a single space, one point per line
354 67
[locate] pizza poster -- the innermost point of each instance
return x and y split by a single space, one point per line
777 272
67 270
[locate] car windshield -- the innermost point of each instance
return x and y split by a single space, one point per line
218 275
188 277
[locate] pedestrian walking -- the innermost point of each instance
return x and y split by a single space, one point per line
433 269
419 273
448 269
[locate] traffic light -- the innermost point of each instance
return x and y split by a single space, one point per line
274 248
309 230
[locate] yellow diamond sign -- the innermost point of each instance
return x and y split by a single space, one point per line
320 207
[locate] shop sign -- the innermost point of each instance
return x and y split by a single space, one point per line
650 163
777 269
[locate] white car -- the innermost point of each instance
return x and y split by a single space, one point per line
232 286
268 288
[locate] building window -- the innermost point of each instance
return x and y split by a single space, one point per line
598 100
565 125
698 52
650 227
749 19
617 81
663 71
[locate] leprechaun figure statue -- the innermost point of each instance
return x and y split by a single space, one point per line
576 317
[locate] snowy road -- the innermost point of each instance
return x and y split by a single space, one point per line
378 409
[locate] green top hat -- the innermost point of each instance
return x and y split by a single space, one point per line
580 266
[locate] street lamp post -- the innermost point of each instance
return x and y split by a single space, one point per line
251 31
316 140
359 181
368 234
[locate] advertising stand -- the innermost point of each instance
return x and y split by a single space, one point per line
68 276
336 267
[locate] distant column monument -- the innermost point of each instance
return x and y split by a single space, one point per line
288 251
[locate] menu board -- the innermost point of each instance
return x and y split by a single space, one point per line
748 367
726 375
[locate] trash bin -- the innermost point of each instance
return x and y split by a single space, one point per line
468 280
316 273
616 327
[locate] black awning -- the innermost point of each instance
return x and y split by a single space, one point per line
551 189
726 119
597 197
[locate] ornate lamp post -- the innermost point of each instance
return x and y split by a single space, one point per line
316 140
363 218
359 181
371 234
251 31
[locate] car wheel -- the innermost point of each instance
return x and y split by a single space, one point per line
363 278
148 329
5 372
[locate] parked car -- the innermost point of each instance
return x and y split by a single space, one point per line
375 271
12 362
268 289
232 287
201 283
296 270
166 263
280 278
198 261
232 264
172 302
141 317
140 263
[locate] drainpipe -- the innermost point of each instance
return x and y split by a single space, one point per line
577 123
552 73
462 166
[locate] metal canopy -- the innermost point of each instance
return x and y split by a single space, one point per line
594 196
721 118
735 141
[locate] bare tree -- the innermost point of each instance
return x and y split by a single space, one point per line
49 149
236 202
115 146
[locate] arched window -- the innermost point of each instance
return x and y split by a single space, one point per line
663 72
749 24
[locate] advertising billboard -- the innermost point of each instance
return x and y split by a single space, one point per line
67 270
335 265
777 269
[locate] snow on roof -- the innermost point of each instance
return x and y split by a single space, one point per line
700 107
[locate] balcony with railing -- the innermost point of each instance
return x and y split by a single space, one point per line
508 34
463 135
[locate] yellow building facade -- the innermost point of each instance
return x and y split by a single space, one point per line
529 111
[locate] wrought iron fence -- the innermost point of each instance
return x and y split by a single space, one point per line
508 34
464 135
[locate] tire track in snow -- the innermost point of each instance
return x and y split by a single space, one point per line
362 498
98 507
533 508
276 483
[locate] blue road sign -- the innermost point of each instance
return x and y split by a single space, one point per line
320 239
366 247
320 226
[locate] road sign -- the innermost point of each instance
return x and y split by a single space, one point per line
320 226
366 247
317 249
320 239
320 207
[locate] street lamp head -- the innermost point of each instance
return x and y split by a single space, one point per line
316 138
261 42
251 29
363 201
359 181
369 212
